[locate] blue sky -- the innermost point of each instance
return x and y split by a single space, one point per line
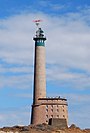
67 27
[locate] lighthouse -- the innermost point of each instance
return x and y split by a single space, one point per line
39 73
49 110
39 66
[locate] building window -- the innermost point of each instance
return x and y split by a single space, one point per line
52 106
57 110
46 106
64 116
47 110
47 116
57 106
51 116
63 110
52 110
63 106
46 121
57 116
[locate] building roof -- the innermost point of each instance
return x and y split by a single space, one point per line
53 98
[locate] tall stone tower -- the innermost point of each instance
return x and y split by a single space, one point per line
39 74
44 109
39 66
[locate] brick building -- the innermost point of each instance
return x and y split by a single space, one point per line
43 108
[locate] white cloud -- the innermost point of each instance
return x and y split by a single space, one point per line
71 40
53 6
17 116
18 82
27 95
66 77
80 116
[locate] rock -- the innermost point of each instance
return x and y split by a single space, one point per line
73 126
42 128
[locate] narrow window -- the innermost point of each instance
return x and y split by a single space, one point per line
52 110
52 106
46 121
52 116
47 116
46 106
57 116
57 110
64 116
47 110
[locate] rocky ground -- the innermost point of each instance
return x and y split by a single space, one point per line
42 128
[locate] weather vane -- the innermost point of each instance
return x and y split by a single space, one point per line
37 22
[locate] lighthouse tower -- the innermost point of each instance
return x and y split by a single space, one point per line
39 66
49 110
39 74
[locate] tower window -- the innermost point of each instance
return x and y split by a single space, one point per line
52 110
47 110
46 121
57 116
63 115
57 110
46 106
52 106
47 116
52 116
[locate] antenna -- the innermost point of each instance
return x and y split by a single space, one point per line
37 22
